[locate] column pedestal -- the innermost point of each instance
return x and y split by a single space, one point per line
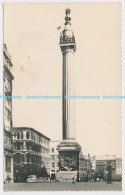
68 161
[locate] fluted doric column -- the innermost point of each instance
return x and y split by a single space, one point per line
68 47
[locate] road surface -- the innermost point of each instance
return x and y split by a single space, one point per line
82 186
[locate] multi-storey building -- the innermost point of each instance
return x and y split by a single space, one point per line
84 167
96 166
93 163
54 159
118 165
8 149
31 153
102 161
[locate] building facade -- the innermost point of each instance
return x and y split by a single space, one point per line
31 153
8 132
118 165
96 167
84 167
54 159
101 166
102 161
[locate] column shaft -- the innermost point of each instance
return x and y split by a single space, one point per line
68 90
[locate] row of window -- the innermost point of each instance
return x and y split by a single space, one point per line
7 119
7 142
84 164
7 84
30 147
7 123
119 163
19 135
32 136
55 165
29 158
7 114
55 157
8 163
54 150
118 167
83 169
7 102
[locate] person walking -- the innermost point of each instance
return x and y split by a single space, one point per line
73 180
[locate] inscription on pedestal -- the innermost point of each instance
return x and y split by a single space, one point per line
68 161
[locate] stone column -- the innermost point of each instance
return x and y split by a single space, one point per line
12 169
68 147
24 145
68 90
68 47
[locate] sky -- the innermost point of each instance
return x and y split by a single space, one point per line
32 39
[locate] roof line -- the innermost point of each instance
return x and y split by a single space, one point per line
30 128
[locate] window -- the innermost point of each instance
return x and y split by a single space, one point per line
21 135
14 134
21 146
28 146
27 135
28 158
33 149
18 146
18 135
32 135
8 163
18 158
47 143
52 149
52 157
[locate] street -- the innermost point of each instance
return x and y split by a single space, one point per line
88 186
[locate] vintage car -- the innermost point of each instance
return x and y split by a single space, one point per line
43 179
32 178
40 179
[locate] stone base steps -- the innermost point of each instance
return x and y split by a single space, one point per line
66 176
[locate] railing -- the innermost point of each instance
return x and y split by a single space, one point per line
68 40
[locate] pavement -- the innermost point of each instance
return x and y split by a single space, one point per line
81 186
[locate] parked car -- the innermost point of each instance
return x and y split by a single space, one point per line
32 178
40 179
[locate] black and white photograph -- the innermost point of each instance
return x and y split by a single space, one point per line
62 97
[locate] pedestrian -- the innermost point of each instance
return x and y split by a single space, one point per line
109 173
73 180
8 178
